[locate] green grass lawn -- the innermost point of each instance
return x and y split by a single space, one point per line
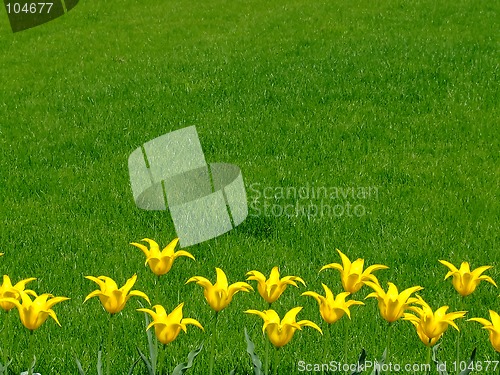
398 96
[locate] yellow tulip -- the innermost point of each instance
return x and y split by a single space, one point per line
280 332
352 274
9 291
168 326
161 262
465 281
422 336
1 254
333 308
220 294
392 304
272 288
432 324
34 313
493 327
113 299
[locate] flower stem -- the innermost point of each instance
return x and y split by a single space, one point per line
31 353
267 370
161 358
276 360
458 353
461 303
346 338
329 343
157 290
428 359
5 340
266 365
389 340
214 343
109 344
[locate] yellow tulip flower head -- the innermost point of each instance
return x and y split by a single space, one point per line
280 332
422 336
220 294
161 262
34 313
432 324
392 304
272 288
352 274
113 299
465 281
14 292
168 326
333 308
493 327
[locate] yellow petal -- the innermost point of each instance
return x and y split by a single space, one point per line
142 247
95 293
221 279
308 323
374 268
495 319
183 253
291 280
334 266
314 295
345 260
169 249
484 322
450 266
205 283
129 284
193 322
96 280
289 317
487 279
138 293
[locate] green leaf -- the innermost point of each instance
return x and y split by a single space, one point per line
152 345
361 363
380 362
183 367
133 366
32 366
99 361
4 368
470 364
79 366
233 372
257 364
146 362
440 366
